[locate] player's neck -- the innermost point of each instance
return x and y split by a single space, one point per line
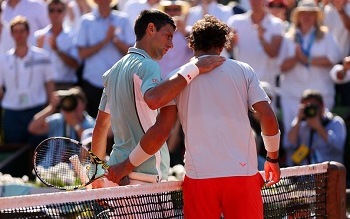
213 51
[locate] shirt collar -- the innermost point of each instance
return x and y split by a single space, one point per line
139 51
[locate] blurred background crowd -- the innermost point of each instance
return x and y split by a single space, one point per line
53 54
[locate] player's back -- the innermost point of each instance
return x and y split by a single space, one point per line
213 110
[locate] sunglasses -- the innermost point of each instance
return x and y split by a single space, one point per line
52 10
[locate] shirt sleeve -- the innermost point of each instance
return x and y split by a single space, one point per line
149 74
104 103
336 134
255 92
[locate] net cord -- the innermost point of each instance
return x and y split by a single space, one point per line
123 191
82 195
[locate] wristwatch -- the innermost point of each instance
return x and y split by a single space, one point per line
272 160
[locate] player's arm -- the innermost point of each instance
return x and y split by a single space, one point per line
271 137
149 144
99 140
170 88
100 134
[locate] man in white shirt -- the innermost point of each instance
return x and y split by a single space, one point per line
26 73
258 40
35 11
58 41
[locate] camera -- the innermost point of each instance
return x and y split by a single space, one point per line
68 101
310 110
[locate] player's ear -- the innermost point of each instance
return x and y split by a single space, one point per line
151 29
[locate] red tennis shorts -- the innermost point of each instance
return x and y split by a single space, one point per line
236 197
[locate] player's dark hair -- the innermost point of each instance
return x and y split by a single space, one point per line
209 33
158 18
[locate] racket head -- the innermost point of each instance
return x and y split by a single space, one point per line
63 163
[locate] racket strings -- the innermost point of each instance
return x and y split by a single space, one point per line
62 163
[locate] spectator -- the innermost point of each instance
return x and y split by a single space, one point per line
337 19
204 7
71 119
340 73
26 73
316 134
104 36
278 8
76 9
134 7
308 56
34 11
258 34
211 7
58 41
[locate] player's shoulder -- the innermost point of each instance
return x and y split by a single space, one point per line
239 64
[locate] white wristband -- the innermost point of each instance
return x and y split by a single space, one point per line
272 143
138 156
189 71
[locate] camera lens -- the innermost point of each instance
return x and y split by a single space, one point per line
68 103
310 110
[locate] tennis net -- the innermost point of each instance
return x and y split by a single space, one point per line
311 191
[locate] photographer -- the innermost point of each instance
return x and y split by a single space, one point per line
64 117
316 134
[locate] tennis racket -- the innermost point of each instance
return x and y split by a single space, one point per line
66 164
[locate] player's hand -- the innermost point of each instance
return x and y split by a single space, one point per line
99 183
118 172
272 173
208 62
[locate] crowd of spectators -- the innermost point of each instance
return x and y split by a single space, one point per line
50 46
